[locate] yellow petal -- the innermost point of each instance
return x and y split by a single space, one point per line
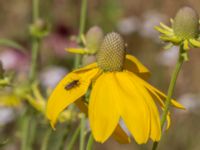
160 94
103 108
133 108
168 121
162 104
134 65
86 68
121 136
155 129
62 97
186 45
77 50
195 42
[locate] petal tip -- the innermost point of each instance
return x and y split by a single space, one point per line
52 125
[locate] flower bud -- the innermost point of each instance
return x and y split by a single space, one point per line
39 29
111 55
186 23
94 38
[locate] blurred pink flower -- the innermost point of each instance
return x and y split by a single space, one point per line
14 60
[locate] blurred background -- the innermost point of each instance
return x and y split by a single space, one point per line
135 21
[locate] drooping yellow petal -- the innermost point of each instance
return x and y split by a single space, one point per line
155 129
162 104
121 136
163 97
77 50
133 108
86 68
160 97
160 94
134 65
103 107
195 42
62 97
168 121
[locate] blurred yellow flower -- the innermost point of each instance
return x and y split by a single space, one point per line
119 91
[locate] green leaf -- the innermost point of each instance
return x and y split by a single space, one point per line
11 43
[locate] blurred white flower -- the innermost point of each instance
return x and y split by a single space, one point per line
168 57
6 115
191 103
50 76
128 25
150 20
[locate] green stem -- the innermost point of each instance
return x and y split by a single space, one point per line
170 91
90 142
82 132
74 138
83 15
35 9
82 19
34 59
77 63
32 131
28 131
35 42
63 139
46 139
29 126
25 130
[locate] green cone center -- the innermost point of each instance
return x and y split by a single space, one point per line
186 23
111 55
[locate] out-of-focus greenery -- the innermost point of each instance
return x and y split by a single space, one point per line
134 19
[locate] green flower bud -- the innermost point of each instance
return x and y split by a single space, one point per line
39 29
111 55
94 38
186 23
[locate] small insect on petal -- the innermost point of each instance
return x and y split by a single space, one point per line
72 84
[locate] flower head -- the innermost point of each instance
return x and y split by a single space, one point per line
119 91
184 31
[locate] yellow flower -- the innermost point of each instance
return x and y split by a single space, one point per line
184 31
119 91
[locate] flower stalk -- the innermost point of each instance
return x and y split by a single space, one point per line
185 34
181 59
28 125
90 142
82 25
82 132
77 63
35 42
74 138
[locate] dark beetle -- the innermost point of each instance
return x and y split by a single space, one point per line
71 85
